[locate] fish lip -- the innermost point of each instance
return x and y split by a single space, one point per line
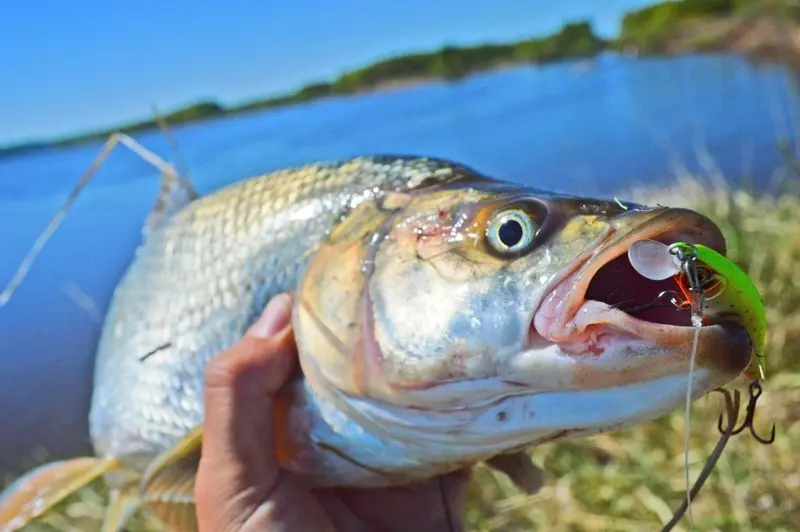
667 225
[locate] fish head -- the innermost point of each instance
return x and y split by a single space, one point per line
491 317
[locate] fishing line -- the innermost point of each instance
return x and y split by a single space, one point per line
657 261
732 402
694 280
667 298
689 264
732 408
696 323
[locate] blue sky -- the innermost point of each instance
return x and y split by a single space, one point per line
68 67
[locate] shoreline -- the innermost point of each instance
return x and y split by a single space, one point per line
767 55
759 35
767 40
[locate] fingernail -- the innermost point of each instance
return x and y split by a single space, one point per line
274 318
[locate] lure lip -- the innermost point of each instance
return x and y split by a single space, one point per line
575 312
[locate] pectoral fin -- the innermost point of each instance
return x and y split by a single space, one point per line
39 490
519 467
167 487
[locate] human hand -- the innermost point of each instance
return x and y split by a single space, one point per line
241 487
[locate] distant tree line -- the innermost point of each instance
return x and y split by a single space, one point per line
646 30
574 40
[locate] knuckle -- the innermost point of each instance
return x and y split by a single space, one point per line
225 369
248 356
219 373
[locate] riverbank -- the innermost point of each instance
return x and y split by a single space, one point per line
767 40
762 30
759 29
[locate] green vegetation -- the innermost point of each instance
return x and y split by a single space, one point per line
632 480
674 26
183 115
189 113
652 28
684 25
574 40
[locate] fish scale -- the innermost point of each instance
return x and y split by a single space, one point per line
227 254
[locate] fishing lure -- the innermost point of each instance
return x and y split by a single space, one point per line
702 274
717 273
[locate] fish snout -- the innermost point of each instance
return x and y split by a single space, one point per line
605 313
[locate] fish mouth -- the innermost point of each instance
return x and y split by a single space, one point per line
602 303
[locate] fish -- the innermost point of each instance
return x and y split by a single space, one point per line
443 318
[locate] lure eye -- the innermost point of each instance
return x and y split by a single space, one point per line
511 231
712 284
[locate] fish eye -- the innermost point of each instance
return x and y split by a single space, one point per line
511 230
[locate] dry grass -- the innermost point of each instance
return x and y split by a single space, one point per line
633 479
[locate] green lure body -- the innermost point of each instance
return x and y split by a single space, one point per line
744 298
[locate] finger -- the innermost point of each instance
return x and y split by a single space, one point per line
237 468
339 514
434 505
290 508
240 382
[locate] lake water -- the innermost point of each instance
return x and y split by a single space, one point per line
575 127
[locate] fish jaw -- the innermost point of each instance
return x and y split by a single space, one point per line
610 347
341 440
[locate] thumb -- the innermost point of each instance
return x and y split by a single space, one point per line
238 466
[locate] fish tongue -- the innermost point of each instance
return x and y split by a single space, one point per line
551 320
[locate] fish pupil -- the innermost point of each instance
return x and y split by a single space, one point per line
510 233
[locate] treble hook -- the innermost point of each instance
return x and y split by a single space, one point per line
675 299
755 392
734 412
665 298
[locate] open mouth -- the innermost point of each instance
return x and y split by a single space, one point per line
605 295
618 285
